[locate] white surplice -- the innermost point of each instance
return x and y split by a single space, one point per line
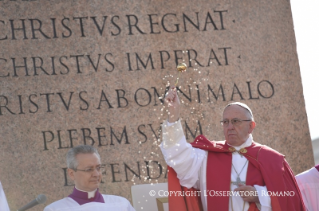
308 183
190 165
111 202
3 200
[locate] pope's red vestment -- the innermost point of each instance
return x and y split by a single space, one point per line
266 167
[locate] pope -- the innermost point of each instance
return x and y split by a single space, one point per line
234 174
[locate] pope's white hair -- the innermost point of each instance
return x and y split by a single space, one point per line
243 105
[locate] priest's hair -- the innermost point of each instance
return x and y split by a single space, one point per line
243 105
71 160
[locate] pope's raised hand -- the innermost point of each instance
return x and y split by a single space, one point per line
173 104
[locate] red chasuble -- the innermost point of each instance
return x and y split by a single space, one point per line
266 167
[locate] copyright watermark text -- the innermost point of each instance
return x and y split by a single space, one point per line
213 193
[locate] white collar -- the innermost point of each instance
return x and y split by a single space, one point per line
247 143
91 194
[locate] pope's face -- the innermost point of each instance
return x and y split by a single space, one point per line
236 135
86 181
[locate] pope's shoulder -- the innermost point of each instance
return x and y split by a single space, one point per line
257 148
264 149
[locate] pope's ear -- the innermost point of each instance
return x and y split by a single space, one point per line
252 126
71 173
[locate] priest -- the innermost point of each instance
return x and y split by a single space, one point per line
235 174
3 200
308 183
84 168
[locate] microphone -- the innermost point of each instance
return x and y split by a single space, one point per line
39 200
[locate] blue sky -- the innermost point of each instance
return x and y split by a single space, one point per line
306 23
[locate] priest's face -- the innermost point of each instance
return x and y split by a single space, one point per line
87 176
237 131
